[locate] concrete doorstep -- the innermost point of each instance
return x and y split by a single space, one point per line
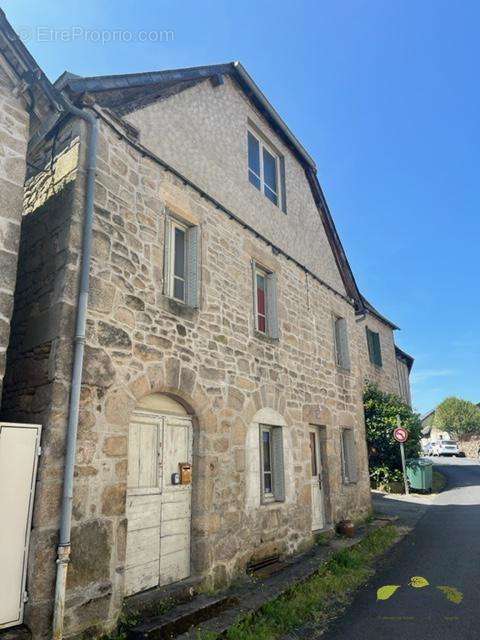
218 612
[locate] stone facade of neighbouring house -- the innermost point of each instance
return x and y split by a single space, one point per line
14 126
393 374
24 101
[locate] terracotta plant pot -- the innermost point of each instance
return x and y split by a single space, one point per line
346 528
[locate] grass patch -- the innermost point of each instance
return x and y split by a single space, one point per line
438 482
313 600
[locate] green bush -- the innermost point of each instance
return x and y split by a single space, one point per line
381 411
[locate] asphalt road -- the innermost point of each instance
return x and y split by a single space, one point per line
443 548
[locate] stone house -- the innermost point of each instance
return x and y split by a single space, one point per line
26 98
220 414
384 364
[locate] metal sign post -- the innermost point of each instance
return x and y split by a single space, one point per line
401 435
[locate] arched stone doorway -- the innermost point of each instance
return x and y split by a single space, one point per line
158 502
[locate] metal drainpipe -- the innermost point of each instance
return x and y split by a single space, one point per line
63 552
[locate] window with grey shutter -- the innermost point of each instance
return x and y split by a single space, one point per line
272 468
349 456
181 280
341 343
193 267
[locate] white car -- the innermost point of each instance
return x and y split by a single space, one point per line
445 448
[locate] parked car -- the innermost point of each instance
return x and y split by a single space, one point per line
445 448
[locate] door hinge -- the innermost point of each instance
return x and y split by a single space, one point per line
39 450
25 596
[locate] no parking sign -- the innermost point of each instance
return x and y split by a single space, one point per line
400 434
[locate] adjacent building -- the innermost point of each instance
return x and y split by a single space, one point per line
220 416
25 100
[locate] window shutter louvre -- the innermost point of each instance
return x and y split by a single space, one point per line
342 343
166 257
193 267
278 464
272 306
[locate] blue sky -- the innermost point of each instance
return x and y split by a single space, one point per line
384 95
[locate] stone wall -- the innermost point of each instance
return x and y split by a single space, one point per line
14 122
210 359
470 445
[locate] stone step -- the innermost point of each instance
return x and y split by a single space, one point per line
150 603
182 618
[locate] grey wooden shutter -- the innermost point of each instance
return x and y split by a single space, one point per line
278 464
254 294
342 343
166 257
283 185
351 454
193 267
272 306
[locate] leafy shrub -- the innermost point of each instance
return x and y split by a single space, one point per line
381 411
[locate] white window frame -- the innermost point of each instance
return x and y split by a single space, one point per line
174 224
264 273
264 145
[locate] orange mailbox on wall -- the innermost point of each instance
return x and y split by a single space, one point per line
185 472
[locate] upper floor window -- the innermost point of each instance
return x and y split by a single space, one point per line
342 354
271 463
374 348
265 301
182 267
264 169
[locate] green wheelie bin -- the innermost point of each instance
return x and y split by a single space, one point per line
420 474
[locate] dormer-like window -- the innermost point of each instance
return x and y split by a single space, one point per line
264 169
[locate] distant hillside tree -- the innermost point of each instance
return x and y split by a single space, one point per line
457 417
381 411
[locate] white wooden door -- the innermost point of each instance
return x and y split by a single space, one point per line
19 448
158 512
176 501
318 509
